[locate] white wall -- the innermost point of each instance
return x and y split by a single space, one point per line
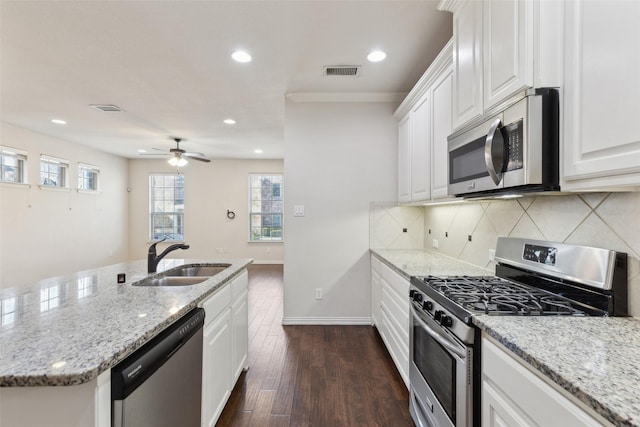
210 189
338 158
46 233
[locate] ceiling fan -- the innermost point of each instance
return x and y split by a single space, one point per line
179 156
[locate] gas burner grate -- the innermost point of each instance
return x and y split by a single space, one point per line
496 296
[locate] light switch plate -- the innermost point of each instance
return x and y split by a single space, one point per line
298 210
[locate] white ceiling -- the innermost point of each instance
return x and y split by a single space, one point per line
167 64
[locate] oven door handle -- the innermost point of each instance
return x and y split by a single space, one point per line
438 337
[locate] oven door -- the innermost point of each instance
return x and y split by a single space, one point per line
441 384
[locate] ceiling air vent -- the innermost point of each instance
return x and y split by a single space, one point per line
342 70
108 108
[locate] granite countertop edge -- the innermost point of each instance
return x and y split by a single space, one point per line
118 352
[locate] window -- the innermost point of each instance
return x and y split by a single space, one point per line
166 194
53 172
265 208
12 165
88 177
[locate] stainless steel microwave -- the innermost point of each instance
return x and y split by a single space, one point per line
510 151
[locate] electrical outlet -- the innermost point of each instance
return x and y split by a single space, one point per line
492 254
268 249
435 243
220 250
318 293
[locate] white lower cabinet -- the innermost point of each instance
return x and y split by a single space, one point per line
391 301
239 326
225 346
513 396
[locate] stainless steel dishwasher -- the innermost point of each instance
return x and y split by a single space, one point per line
160 384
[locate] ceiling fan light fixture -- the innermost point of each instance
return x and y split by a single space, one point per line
177 161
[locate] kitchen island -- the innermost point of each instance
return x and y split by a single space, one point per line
70 330
591 360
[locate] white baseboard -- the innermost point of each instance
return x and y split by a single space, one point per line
326 321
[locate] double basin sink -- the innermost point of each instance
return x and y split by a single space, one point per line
184 275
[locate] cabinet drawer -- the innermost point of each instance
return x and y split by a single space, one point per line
376 264
513 395
396 282
216 303
398 311
239 285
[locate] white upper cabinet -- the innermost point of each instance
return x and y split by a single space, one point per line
441 128
467 62
404 159
424 123
501 48
601 93
507 47
421 149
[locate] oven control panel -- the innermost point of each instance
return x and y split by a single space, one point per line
540 254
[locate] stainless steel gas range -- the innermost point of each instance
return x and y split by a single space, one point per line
533 278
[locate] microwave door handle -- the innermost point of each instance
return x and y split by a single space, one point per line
436 336
496 177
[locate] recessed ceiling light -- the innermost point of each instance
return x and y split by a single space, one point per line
58 121
376 56
230 121
140 150
241 56
257 151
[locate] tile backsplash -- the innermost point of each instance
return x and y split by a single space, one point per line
468 230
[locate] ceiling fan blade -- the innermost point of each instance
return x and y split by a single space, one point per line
193 154
202 159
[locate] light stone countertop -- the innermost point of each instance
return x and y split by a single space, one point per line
595 359
414 262
67 330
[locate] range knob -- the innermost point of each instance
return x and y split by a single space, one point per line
437 315
411 293
446 320
417 296
427 305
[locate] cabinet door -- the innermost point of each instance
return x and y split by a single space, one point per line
507 49
239 336
404 160
421 149
467 62
601 109
376 291
216 368
441 129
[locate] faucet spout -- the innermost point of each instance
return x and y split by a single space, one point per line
153 259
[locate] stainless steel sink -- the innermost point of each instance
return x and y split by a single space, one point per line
197 270
171 281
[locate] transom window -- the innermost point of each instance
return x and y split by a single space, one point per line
12 165
166 207
53 172
88 177
265 207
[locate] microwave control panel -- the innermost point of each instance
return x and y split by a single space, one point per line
514 143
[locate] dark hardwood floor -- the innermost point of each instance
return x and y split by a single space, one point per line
312 375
